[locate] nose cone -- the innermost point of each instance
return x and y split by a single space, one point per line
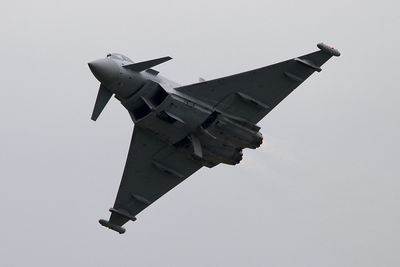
105 70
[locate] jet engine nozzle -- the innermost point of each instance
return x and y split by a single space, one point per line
105 70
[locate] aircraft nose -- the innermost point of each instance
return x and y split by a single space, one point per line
105 70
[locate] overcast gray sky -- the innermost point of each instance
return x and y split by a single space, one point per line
323 190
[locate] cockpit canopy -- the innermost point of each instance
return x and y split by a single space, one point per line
119 57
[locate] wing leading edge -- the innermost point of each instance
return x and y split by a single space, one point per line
153 167
253 94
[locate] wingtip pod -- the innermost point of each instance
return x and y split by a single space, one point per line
328 49
111 226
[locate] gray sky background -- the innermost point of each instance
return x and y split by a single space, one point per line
323 190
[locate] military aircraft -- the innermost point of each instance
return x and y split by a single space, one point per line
179 129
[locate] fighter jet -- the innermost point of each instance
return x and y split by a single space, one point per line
179 129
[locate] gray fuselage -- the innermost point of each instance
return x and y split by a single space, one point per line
156 106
